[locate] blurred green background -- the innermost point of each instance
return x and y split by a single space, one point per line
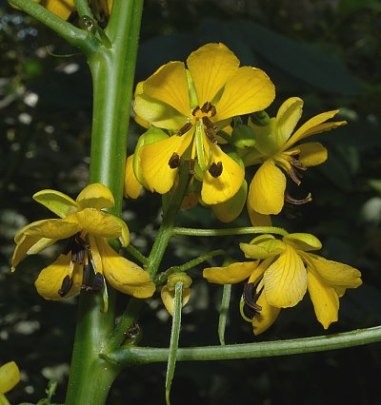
329 53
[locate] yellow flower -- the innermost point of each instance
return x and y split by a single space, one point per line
276 152
279 276
193 102
9 377
87 258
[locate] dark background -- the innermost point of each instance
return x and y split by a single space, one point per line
327 52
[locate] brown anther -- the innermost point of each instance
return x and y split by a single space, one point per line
67 283
295 201
294 175
174 161
215 169
196 110
184 129
210 129
208 107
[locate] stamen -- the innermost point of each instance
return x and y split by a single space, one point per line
210 129
296 201
86 277
78 248
209 107
67 283
250 296
196 110
98 282
215 169
174 161
294 175
184 129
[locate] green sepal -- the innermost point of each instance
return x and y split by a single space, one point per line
243 137
229 210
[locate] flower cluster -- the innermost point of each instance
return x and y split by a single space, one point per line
87 259
188 111
280 273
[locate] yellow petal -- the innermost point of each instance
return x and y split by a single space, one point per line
150 111
219 189
124 275
155 161
61 8
169 84
211 66
247 91
57 202
229 210
312 154
49 281
266 191
266 317
97 196
234 273
132 187
333 273
285 281
96 258
315 125
287 117
9 376
168 297
22 248
324 300
99 223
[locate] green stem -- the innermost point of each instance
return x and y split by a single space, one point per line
229 231
159 247
112 72
145 355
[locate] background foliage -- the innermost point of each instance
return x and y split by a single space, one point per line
327 52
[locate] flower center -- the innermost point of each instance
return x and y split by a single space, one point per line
81 255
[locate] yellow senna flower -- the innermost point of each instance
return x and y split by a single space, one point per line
87 258
280 274
168 291
193 102
276 152
9 377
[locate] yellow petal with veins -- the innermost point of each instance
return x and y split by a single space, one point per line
50 279
54 228
124 275
155 161
324 299
287 117
266 191
314 125
266 317
303 241
285 280
335 274
9 376
231 274
95 195
57 202
169 85
219 189
247 91
211 66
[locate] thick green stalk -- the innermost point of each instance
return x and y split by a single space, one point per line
112 70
